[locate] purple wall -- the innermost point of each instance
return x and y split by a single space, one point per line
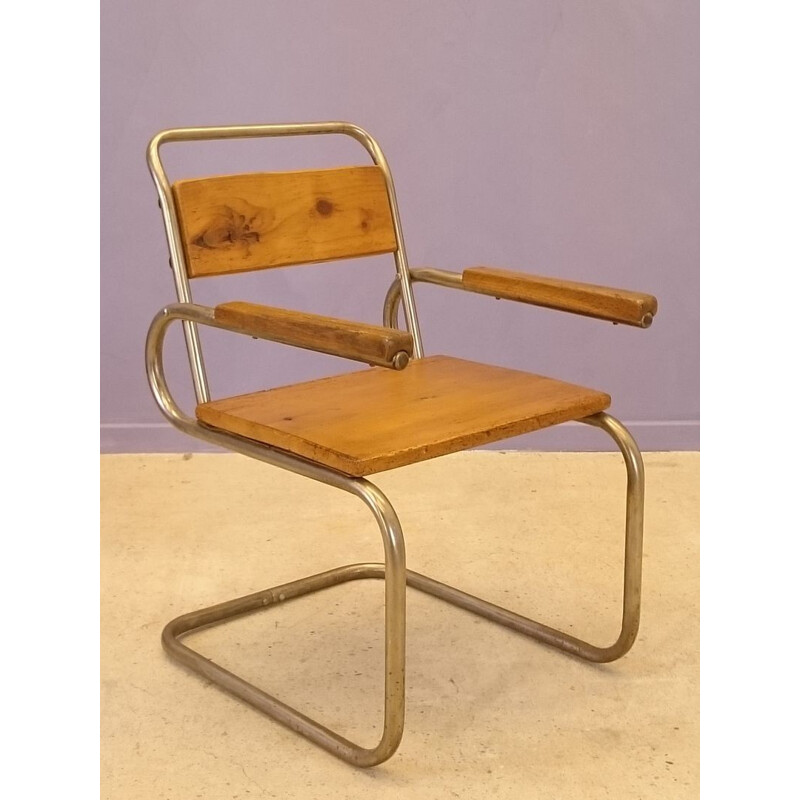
559 138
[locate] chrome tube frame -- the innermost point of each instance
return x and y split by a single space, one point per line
439 277
393 571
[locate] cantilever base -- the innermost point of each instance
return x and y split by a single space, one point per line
296 721
270 705
397 578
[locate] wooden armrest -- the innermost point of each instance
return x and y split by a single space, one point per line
372 344
601 302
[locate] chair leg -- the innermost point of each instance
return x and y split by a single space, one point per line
396 577
394 574
632 580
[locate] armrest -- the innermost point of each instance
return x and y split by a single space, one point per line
369 343
601 302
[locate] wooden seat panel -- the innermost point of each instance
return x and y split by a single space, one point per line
377 419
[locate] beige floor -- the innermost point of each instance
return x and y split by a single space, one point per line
490 713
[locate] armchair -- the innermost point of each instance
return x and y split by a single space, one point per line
405 408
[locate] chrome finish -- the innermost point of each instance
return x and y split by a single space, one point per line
390 304
440 277
634 536
177 262
400 361
394 571
395 610
169 212
632 575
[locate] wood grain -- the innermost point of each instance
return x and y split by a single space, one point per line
357 340
601 302
374 420
238 223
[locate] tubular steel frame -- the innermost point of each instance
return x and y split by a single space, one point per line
393 571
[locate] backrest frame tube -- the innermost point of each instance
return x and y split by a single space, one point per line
167 204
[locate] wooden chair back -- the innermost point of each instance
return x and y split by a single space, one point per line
239 223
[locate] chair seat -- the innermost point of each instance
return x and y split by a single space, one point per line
377 419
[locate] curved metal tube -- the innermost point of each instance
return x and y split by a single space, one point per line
390 304
394 570
632 580
634 535
440 277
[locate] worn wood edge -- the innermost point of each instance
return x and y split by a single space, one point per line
335 459
591 300
182 182
360 341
